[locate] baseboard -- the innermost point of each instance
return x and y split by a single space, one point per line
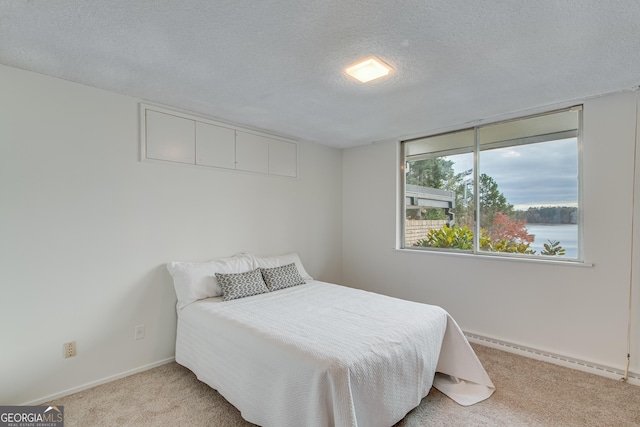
97 382
556 359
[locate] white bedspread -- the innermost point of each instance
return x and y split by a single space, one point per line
327 355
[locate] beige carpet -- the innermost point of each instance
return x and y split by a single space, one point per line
529 393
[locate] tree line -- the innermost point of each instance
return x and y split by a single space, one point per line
548 215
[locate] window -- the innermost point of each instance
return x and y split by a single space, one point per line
506 189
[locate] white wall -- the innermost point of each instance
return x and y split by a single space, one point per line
578 312
85 231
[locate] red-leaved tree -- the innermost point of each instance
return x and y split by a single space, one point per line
512 230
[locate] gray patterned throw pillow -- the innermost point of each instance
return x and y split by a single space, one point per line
240 285
282 277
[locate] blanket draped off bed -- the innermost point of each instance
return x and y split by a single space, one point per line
322 355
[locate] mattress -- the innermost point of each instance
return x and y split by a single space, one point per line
322 355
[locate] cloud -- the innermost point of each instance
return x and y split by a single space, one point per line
541 174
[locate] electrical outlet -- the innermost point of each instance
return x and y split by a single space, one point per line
69 349
139 332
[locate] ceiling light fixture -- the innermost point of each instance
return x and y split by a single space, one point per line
369 69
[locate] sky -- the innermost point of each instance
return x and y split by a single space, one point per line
542 174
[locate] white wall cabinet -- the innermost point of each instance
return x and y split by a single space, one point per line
170 137
252 152
178 137
215 146
283 158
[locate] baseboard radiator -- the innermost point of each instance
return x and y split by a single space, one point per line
556 359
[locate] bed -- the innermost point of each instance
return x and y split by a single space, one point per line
316 353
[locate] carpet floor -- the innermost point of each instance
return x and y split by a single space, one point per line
528 393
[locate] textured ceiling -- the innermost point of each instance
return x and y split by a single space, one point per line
278 65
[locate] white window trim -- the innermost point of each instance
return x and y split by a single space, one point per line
475 253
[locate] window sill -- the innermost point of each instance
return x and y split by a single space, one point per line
572 263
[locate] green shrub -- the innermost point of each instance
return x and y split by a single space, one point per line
462 238
553 248
448 237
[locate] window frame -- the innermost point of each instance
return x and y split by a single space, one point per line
476 149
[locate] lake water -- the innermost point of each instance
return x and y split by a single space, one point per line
566 234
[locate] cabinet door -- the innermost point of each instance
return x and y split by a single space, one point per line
169 137
283 158
252 152
215 146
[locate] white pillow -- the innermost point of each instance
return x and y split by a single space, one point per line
196 280
279 261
